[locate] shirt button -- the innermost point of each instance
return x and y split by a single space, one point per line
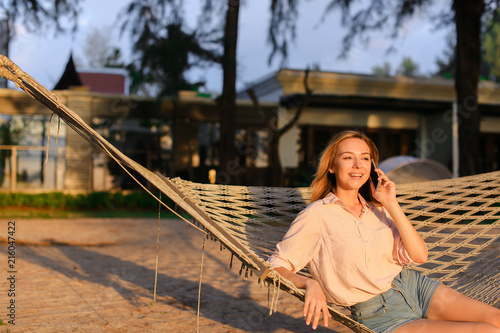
360 223
366 240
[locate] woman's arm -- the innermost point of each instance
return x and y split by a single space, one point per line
314 301
386 195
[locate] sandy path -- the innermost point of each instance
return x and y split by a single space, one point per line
97 275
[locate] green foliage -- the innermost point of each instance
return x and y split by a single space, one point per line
489 66
383 70
407 68
89 201
165 48
491 45
11 133
38 16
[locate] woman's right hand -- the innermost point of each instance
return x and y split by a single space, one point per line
314 298
315 304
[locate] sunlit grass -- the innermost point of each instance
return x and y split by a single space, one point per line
13 214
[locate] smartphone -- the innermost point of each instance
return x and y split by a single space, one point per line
374 176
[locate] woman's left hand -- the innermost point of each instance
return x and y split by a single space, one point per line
412 241
386 192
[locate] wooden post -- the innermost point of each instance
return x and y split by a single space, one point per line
13 169
59 169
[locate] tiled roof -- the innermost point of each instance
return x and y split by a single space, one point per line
112 83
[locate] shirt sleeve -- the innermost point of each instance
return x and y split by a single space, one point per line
400 253
300 244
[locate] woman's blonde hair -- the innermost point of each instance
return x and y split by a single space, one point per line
325 182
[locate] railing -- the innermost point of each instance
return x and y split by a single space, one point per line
59 164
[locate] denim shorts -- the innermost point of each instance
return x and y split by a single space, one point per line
407 300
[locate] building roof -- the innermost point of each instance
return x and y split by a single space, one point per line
106 80
328 86
372 86
70 77
101 80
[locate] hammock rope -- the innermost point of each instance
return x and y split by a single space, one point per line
199 284
459 218
157 248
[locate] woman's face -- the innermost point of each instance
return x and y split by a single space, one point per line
352 164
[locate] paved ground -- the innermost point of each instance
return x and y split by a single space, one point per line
97 275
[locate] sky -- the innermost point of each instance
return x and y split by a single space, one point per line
45 56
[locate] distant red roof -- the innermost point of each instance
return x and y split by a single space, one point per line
103 80
113 83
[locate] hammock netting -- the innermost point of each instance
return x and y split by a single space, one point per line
458 218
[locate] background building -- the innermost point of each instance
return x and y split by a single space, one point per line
404 116
179 136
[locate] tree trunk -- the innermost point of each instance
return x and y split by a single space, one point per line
276 177
468 25
4 44
229 168
271 122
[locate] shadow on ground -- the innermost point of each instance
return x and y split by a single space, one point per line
134 283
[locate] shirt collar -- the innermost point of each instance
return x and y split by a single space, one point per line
333 199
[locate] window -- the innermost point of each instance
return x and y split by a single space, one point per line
390 142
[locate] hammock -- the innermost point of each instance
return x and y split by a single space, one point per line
459 218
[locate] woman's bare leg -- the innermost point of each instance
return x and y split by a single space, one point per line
440 326
451 311
449 304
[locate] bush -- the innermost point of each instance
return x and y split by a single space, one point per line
90 201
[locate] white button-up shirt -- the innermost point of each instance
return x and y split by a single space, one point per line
352 257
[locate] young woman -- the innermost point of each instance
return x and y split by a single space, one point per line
356 242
